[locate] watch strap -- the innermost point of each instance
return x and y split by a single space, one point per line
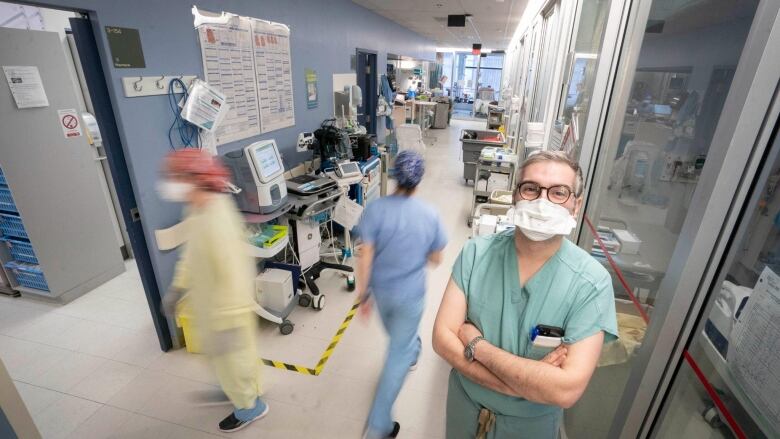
469 351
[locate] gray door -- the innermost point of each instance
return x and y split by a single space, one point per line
53 178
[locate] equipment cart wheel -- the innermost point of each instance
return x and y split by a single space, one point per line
351 282
318 302
304 300
286 328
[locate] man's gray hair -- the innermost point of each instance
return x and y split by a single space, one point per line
558 157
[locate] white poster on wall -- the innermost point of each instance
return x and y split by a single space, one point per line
273 68
228 65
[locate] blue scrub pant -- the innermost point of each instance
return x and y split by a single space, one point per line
401 317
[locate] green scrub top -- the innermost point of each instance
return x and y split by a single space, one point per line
571 291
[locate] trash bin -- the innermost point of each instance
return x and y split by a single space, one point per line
185 321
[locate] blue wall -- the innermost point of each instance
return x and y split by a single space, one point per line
324 35
6 431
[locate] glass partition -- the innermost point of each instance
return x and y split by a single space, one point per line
549 51
730 382
647 178
580 80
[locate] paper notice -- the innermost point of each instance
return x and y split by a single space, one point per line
26 86
172 237
228 65
205 106
273 68
754 349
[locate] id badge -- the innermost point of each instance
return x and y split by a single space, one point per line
547 336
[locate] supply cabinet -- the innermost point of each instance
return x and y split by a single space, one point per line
57 232
20 264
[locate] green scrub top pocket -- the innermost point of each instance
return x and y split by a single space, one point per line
537 352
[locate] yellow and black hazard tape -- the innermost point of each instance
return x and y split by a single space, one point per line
290 367
325 355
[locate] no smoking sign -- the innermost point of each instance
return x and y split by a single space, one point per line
70 123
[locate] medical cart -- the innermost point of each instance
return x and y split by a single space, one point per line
472 142
484 168
264 252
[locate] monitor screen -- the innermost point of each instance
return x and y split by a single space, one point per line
350 168
267 161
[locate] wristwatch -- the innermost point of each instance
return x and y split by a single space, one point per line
469 350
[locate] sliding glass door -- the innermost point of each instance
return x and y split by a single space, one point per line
682 79
729 383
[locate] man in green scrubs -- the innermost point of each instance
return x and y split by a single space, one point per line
503 384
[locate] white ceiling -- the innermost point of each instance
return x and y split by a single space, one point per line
495 20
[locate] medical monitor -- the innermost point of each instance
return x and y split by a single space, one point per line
266 159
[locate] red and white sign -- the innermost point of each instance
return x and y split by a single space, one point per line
70 123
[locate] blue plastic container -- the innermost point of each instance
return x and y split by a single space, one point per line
2 178
28 275
21 251
7 200
11 225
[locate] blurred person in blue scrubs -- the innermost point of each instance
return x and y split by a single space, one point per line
217 275
400 236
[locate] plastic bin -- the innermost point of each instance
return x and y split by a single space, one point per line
28 275
7 200
21 251
268 235
2 178
185 321
472 142
12 225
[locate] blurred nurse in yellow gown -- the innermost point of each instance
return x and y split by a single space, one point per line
217 275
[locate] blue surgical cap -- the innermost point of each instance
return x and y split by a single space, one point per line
409 169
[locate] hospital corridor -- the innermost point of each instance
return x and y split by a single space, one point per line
364 219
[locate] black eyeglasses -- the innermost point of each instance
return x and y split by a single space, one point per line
530 191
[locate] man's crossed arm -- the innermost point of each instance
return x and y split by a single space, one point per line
558 379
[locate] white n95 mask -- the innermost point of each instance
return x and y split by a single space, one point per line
542 219
174 191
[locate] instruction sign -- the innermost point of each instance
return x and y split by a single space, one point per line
26 86
70 123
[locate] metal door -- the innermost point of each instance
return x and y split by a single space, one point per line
52 173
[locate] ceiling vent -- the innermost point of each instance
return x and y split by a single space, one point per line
456 21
